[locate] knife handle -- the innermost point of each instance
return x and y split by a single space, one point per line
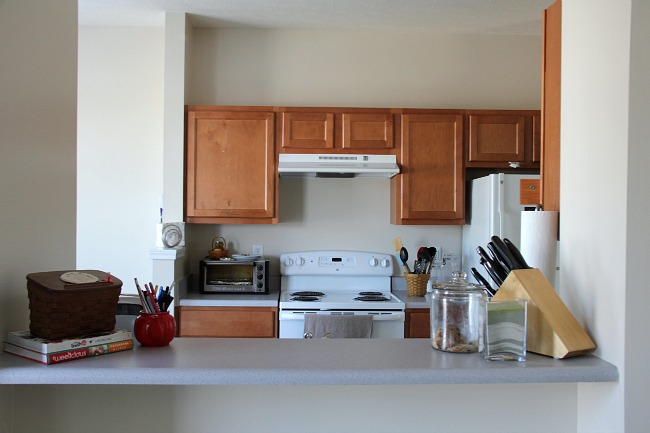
488 267
482 281
497 258
516 253
504 253
494 267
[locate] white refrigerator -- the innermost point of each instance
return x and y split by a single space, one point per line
493 209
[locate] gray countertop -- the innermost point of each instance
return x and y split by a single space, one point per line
412 301
204 361
196 299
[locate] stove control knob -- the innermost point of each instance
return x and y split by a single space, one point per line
301 261
288 262
385 263
373 262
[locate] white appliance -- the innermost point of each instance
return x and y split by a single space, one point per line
337 165
339 283
495 210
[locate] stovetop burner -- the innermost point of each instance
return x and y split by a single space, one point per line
307 293
305 298
370 293
372 298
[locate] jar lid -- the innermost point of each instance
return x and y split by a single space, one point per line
458 283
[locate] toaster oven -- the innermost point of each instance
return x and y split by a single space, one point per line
233 276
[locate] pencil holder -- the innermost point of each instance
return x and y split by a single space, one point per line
154 329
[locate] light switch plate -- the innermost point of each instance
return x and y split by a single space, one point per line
258 250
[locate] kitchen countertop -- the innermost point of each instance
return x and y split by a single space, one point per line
195 299
412 301
205 361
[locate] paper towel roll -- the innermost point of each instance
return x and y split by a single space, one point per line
539 241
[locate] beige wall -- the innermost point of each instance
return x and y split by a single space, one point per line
253 67
366 69
38 48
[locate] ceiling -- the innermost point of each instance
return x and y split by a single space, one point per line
495 17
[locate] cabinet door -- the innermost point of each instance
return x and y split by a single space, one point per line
367 131
496 138
230 167
307 130
417 324
224 322
430 188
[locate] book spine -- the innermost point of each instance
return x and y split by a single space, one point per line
69 355
87 352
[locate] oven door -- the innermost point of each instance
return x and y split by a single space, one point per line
385 324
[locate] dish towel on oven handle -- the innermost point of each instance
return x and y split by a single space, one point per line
337 326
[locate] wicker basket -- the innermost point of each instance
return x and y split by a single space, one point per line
60 310
416 284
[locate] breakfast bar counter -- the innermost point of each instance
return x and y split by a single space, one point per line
209 361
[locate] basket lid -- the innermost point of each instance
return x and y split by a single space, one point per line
52 280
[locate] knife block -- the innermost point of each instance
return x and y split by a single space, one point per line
551 328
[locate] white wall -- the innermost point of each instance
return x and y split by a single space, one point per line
637 384
603 223
120 150
38 48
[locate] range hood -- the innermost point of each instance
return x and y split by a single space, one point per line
337 165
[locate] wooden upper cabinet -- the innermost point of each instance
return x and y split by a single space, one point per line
496 138
367 130
313 130
500 139
307 130
230 167
430 188
551 92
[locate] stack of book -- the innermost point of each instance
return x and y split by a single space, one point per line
24 344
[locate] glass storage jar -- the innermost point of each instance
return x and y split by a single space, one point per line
455 307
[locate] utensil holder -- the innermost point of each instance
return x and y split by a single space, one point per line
416 284
154 329
551 328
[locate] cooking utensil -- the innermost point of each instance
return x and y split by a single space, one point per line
398 246
404 256
482 281
426 259
516 254
505 253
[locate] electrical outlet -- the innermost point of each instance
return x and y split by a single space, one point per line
258 250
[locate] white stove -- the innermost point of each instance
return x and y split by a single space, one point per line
338 282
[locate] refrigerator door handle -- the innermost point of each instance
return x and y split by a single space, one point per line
501 209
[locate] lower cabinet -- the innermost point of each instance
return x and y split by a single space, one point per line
417 323
224 322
